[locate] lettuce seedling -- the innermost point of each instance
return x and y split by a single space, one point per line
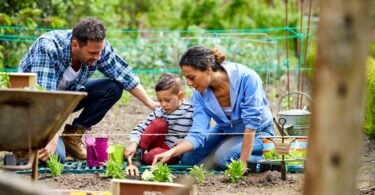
235 170
160 172
147 175
198 173
54 165
114 170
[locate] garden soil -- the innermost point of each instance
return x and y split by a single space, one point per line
118 123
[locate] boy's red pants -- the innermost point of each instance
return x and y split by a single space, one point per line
154 144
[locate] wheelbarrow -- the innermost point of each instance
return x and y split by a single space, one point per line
30 119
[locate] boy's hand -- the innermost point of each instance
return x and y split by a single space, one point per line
130 149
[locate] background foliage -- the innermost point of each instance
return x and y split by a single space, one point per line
370 98
130 21
151 35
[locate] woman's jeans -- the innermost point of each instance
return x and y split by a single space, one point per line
102 94
224 148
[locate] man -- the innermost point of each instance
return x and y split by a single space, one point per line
64 60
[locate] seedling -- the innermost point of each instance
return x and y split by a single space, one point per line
147 175
114 170
54 165
235 170
161 173
198 173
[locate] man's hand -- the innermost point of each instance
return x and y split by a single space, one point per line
130 149
140 93
155 105
50 148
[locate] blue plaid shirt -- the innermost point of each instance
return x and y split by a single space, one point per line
49 56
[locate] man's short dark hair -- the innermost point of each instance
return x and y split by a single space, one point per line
169 81
89 29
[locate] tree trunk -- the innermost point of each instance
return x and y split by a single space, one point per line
335 138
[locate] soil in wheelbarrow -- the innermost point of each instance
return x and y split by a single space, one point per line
119 121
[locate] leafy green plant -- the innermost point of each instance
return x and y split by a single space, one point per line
161 173
54 165
235 170
4 80
369 125
147 175
198 173
114 170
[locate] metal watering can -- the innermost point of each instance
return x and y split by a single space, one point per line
297 120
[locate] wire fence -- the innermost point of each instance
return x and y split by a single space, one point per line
153 52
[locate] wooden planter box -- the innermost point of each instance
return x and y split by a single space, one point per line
136 187
21 80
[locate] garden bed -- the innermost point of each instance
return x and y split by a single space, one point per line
121 119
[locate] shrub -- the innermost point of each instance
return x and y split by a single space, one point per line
370 101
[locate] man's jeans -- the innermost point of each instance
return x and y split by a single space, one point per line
102 94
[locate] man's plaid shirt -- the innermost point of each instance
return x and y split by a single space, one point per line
49 56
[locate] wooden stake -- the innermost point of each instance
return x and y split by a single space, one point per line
335 139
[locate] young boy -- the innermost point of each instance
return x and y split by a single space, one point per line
165 126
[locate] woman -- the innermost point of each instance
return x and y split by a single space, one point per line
230 94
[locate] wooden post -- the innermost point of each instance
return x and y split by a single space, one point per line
335 139
21 80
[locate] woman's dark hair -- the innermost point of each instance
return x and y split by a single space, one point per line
89 28
201 58
169 81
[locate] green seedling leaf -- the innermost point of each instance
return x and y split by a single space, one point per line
198 173
160 172
54 165
147 175
235 170
114 170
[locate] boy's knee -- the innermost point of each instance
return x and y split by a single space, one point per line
160 123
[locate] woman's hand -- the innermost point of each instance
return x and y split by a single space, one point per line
162 157
130 149
50 148
181 148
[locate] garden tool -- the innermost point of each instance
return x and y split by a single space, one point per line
131 169
283 149
281 130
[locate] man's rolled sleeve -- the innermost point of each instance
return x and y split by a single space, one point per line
112 66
